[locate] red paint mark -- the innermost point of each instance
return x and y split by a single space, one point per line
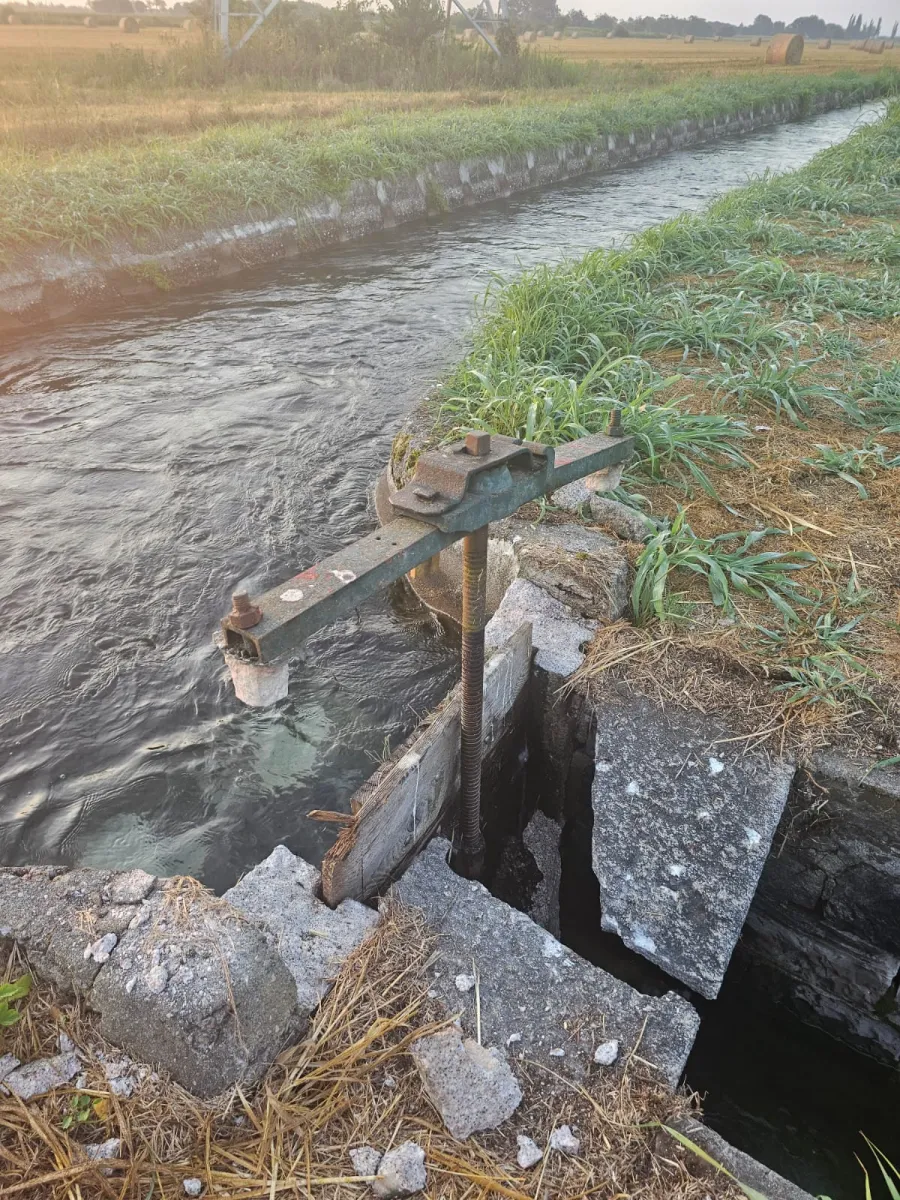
310 575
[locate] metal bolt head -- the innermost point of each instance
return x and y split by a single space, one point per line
478 444
243 615
424 492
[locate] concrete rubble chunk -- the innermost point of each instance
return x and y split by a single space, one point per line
182 981
192 1186
8 1063
683 824
401 1172
312 939
606 1053
228 1006
581 568
472 1087
366 1160
564 1140
100 1150
131 887
42 1076
556 634
532 988
541 837
625 522
529 1153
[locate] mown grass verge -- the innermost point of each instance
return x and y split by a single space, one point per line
247 171
752 351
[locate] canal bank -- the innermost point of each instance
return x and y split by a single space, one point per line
50 285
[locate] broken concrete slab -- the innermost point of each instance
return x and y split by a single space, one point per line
471 1086
541 837
556 635
282 895
180 979
196 988
536 995
683 824
625 522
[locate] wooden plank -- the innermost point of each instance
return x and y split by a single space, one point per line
398 809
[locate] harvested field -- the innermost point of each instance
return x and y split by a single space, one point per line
349 1083
702 54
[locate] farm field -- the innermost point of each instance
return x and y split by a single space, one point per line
721 58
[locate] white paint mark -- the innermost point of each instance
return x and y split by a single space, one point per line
676 870
753 838
291 596
343 576
716 766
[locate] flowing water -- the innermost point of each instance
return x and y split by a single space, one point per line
155 460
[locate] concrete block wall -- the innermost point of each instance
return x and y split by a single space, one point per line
51 287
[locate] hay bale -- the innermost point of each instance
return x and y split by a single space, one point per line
533 36
785 50
756 41
129 25
90 22
825 44
670 37
190 24
688 37
717 38
557 37
573 35
857 45
874 45
13 19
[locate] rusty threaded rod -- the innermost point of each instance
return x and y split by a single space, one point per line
474 592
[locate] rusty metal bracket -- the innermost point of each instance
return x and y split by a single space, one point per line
465 489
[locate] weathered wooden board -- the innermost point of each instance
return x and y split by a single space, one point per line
399 808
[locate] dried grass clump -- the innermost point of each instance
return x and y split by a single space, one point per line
350 1082
785 50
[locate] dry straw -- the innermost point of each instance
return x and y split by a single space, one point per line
350 1082
785 50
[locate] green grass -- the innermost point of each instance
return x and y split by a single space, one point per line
248 171
559 348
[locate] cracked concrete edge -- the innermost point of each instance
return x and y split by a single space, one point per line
742 1167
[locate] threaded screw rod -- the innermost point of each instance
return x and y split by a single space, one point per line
474 591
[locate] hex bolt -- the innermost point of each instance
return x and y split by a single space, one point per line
614 428
475 548
478 444
243 615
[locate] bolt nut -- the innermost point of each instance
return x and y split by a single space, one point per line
478 444
243 615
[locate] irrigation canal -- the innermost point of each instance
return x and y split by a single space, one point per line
157 459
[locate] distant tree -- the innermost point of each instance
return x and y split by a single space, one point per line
533 14
878 28
894 30
763 25
811 27
408 24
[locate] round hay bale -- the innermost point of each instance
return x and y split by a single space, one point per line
610 34
670 37
688 37
13 19
190 24
129 25
557 37
857 45
90 22
573 34
874 46
717 38
785 50
533 37
825 44
756 41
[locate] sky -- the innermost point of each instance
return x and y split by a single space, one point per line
741 11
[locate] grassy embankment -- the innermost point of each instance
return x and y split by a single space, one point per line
753 352
139 188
